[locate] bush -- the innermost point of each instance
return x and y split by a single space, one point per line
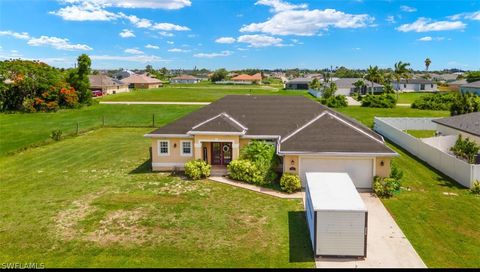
465 103
379 101
197 169
290 183
245 170
336 101
56 135
437 101
465 149
263 156
395 172
385 187
476 188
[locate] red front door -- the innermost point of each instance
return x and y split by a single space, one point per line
221 153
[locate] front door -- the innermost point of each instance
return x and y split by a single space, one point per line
221 153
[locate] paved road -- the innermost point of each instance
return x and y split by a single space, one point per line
152 103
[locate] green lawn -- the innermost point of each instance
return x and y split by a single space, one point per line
421 133
409 98
22 130
91 201
196 93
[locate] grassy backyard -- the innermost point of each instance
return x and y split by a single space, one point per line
421 133
91 201
409 98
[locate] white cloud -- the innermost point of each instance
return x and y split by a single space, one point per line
429 39
213 55
126 33
133 58
390 19
260 40
85 11
408 9
170 42
150 46
16 35
225 40
169 27
149 4
466 15
178 50
308 22
279 5
133 51
425 25
57 43
165 34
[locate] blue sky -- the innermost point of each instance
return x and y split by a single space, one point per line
243 34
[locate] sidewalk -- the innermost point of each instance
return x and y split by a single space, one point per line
152 103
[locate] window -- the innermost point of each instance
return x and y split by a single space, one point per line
186 148
163 148
431 85
404 85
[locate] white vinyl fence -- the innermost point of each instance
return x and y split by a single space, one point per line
392 128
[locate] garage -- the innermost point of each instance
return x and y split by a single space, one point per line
360 169
336 215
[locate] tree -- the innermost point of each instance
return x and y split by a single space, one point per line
329 91
359 85
149 68
473 76
78 79
427 63
219 75
401 71
465 103
373 75
315 84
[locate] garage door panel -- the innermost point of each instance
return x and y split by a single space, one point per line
359 170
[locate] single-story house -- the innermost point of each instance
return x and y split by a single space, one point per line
301 83
472 87
256 78
415 85
308 136
346 86
142 82
107 84
184 79
468 125
455 85
123 74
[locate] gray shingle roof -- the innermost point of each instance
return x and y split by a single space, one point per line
416 81
99 81
475 84
220 123
281 116
300 80
469 122
343 83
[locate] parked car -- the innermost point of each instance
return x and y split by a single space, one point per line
97 93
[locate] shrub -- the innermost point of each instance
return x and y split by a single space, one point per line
379 101
465 149
56 135
437 101
465 103
263 156
28 105
197 169
476 188
68 98
395 172
385 187
336 101
290 183
245 170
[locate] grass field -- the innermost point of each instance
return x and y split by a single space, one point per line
21 130
196 94
409 98
421 133
91 201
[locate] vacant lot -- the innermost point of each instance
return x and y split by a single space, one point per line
91 201
21 130
409 98
196 93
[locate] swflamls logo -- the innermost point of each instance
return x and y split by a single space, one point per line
23 266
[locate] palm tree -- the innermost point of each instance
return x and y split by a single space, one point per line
373 75
359 84
427 63
401 71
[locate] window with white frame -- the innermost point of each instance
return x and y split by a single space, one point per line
186 148
163 148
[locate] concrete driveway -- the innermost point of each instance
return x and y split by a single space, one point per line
387 246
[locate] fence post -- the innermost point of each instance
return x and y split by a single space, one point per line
103 120
153 120
78 127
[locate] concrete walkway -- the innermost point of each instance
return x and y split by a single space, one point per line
404 105
352 102
387 246
152 103
258 189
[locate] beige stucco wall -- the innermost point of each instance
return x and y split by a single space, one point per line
382 171
146 86
175 160
450 131
200 139
116 89
288 167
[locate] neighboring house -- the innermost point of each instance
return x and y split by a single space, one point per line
468 125
184 79
346 86
298 83
123 74
415 85
473 87
308 136
107 84
455 85
244 78
142 82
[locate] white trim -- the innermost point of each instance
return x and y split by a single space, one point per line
158 148
215 117
261 137
337 154
215 133
167 164
191 149
167 136
304 126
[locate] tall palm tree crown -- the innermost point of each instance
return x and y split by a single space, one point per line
427 63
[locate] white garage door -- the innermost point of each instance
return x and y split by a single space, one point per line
359 170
